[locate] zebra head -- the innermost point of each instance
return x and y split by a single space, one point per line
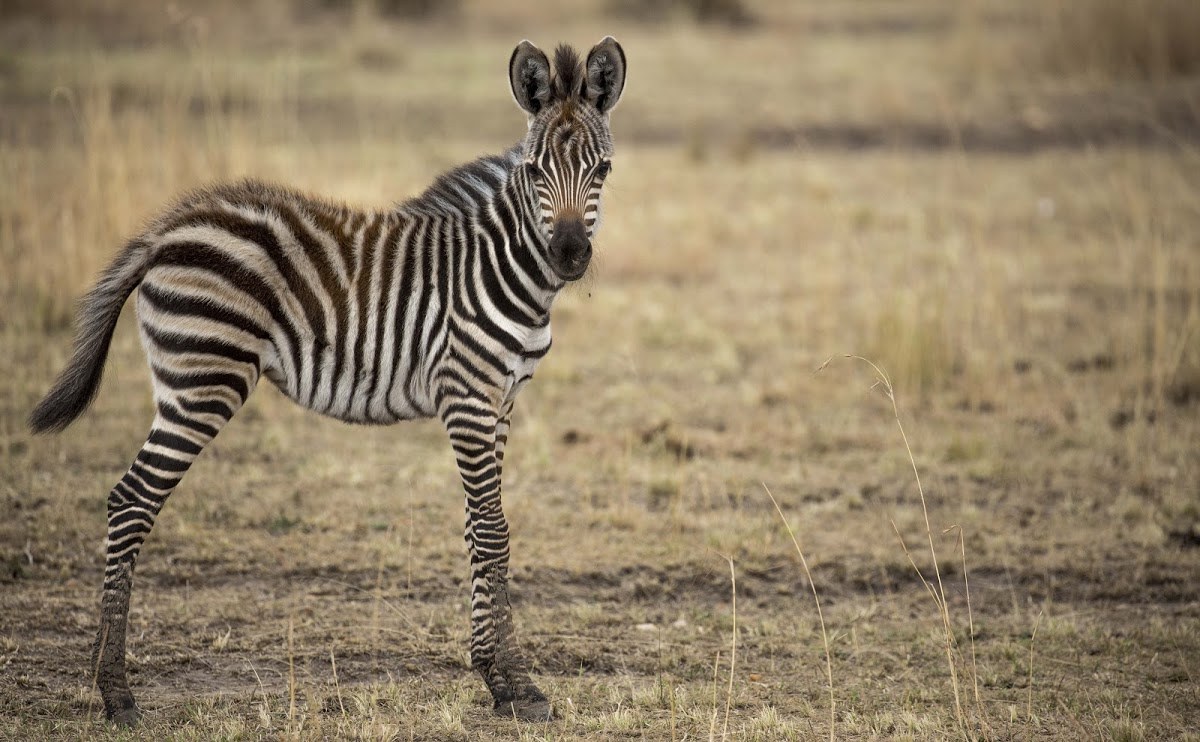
568 150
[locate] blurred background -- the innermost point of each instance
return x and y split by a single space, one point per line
365 99
996 201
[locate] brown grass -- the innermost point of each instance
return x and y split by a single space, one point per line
1152 40
820 613
1015 245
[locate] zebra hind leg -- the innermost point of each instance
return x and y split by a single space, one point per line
185 423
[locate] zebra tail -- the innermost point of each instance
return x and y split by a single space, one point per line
97 317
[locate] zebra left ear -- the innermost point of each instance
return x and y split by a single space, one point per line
605 74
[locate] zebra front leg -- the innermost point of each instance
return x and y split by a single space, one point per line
477 436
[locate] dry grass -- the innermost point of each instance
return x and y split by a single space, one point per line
1152 40
820 614
936 591
1018 252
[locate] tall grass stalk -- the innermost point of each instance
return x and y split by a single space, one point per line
336 685
264 709
938 594
291 630
939 598
962 549
733 646
1033 638
817 600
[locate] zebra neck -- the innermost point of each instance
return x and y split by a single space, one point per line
525 248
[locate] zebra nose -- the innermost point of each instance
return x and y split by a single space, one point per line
570 240
570 249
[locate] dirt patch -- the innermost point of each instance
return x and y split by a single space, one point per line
640 620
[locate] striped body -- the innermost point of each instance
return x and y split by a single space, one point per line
438 307
361 316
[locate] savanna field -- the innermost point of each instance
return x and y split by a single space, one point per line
926 273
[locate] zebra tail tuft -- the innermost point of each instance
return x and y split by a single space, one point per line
99 311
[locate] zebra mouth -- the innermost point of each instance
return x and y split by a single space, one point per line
572 269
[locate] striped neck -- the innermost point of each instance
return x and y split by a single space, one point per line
528 245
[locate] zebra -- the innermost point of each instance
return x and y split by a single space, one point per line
437 307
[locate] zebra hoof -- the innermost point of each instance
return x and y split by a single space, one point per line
126 716
536 710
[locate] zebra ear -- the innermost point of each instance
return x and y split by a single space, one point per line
605 74
529 75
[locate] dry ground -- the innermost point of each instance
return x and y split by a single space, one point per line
1017 246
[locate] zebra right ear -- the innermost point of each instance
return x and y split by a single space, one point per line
529 75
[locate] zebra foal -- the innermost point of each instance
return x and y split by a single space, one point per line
439 307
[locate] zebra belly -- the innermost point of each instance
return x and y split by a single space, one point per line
191 306
363 399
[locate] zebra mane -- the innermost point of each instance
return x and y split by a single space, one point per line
568 73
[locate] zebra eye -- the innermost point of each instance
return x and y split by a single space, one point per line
604 168
533 169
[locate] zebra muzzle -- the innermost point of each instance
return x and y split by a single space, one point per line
570 249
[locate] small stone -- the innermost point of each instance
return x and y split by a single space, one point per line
646 627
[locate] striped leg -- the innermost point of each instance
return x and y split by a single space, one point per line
186 421
502 427
477 434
